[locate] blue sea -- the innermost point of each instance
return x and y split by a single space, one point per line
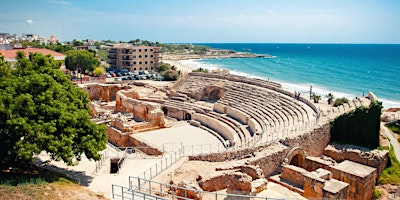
345 70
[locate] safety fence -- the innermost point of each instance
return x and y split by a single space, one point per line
168 191
124 193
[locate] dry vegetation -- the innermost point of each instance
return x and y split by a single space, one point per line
41 184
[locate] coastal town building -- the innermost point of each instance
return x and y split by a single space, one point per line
134 58
11 54
53 39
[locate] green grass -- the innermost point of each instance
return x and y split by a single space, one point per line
391 174
35 176
377 194
395 128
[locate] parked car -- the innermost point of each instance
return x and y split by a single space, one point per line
119 74
131 77
118 79
108 75
125 78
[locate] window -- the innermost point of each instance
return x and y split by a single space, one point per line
140 63
140 50
151 62
134 56
134 69
134 50
145 56
152 68
145 68
145 50
151 56
140 68
140 56
145 62
134 63
151 49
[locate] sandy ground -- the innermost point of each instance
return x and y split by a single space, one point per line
184 133
178 64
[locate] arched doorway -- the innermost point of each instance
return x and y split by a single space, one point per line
215 93
295 157
165 110
188 116
297 160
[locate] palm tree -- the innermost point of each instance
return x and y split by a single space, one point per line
330 97
316 98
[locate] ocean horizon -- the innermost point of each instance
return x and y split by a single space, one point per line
345 70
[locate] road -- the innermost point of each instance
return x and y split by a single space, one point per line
393 141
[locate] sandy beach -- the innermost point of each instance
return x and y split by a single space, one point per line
185 69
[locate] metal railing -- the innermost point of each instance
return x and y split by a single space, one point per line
103 159
120 192
175 192
162 165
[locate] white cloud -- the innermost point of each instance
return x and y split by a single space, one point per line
29 21
59 2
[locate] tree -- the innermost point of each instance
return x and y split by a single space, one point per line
163 67
99 71
76 42
59 48
330 97
316 97
41 110
81 60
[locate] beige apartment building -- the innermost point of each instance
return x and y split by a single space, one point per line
134 58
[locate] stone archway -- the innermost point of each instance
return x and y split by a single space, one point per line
295 157
165 110
188 116
215 94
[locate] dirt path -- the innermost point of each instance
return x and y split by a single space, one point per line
393 141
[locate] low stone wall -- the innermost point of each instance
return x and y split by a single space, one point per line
223 129
294 174
360 185
374 158
121 139
238 115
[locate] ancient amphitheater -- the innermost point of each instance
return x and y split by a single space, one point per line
230 137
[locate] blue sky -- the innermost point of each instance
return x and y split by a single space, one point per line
267 21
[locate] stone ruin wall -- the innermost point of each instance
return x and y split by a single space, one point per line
375 159
104 92
357 184
141 110
122 139
313 142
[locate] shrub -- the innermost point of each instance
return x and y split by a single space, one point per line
391 174
170 75
201 70
377 194
163 67
340 101
99 71
360 126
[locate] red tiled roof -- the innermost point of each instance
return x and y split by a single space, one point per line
11 54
